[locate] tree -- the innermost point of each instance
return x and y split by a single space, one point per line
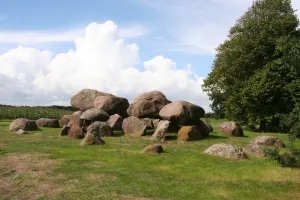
255 75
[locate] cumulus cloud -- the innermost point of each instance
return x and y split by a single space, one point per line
101 60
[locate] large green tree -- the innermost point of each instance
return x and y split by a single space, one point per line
255 75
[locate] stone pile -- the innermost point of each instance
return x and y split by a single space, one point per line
150 110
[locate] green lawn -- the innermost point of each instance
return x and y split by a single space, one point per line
55 167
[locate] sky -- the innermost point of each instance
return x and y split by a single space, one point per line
50 49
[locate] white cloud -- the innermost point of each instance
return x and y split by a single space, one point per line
101 60
49 36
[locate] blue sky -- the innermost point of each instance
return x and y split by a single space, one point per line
175 42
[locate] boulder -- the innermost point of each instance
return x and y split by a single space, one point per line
226 150
84 99
64 120
46 122
254 149
148 122
155 123
112 105
191 133
94 114
203 128
75 131
147 104
115 122
100 129
268 141
182 113
133 126
24 124
231 129
77 113
208 126
21 132
161 130
91 139
155 148
65 130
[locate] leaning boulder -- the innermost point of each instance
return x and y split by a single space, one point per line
46 122
268 141
155 148
112 105
24 124
254 149
115 122
75 131
155 123
161 130
147 104
226 150
84 99
94 114
182 113
133 126
231 129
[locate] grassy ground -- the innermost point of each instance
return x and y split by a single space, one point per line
55 167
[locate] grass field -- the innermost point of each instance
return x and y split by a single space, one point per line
55 167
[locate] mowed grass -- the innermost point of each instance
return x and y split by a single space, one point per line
55 167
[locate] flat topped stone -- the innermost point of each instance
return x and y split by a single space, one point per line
182 113
84 99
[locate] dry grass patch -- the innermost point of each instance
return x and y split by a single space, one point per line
28 176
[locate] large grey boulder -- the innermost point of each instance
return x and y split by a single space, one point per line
227 151
94 114
161 130
182 113
268 141
133 126
255 149
112 105
147 104
46 122
115 122
24 124
232 129
101 129
84 99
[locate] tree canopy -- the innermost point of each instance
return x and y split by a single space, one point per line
255 75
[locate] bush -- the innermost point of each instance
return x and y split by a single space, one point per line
291 159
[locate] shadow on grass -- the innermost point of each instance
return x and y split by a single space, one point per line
118 134
213 137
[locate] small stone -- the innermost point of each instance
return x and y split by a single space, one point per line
155 148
